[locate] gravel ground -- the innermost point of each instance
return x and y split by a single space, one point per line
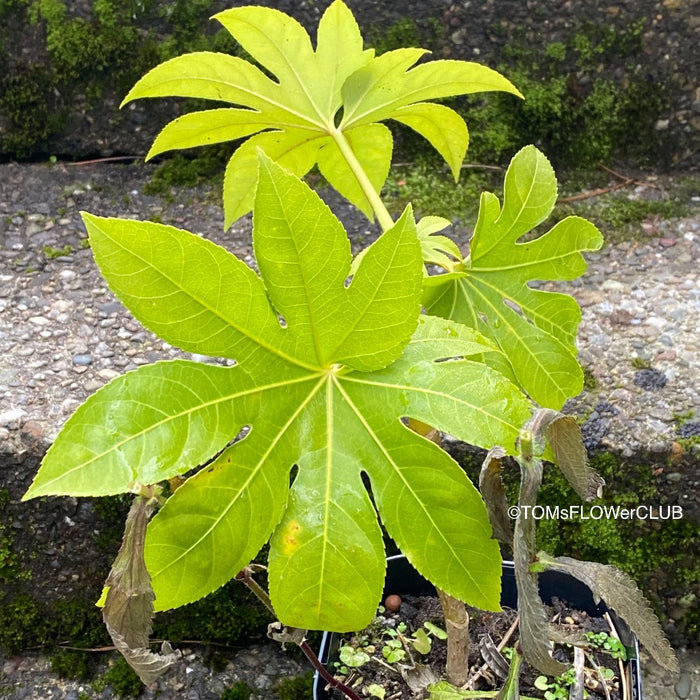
63 335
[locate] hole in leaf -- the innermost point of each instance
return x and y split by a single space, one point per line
512 305
348 281
282 321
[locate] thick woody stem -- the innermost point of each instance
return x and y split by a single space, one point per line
457 628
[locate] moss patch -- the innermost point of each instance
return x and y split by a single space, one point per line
658 554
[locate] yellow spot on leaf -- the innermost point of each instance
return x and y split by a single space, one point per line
290 541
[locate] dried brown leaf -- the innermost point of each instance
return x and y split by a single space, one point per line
128 607
494 494
564 435
621 594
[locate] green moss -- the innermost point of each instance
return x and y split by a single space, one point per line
121 678
639 547
238 691
181 171
20 623
68 663
11 568
228 616
589 379
402 33
430 188
640 363
53 253
298 688
27 105
579 118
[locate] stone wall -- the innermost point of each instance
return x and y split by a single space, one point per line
58 98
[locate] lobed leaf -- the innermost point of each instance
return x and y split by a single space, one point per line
303 103
490 290
323 395
437 250
149 425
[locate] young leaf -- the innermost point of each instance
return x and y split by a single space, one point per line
128 606
490 290
323 392
437 250
621 594
302 105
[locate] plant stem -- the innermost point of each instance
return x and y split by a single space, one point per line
379 208
246 577
457 628
323 672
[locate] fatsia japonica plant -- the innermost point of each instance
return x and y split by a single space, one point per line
319 424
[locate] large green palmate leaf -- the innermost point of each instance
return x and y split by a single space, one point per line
490 290
293 119
326 371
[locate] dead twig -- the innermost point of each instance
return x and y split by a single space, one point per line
499 647
110 159
625 181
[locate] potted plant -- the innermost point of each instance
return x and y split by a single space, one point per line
404 579
321 417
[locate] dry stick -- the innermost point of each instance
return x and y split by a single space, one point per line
593 193
246 577
110 159
623 675
625 181
596 668
499 647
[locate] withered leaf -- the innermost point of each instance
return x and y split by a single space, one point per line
511 688
621 594
494 494
128 606
564 435
534 627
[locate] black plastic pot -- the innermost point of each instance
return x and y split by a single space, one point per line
402 578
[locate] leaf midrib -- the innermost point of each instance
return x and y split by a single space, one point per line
399 474
275 350
253 472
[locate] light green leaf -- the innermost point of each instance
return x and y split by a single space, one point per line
149 425
378 90
304 100
296 150
437 250
490 290
442 127
207 127
372 146
321 399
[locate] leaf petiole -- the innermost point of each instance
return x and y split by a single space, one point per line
379 208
